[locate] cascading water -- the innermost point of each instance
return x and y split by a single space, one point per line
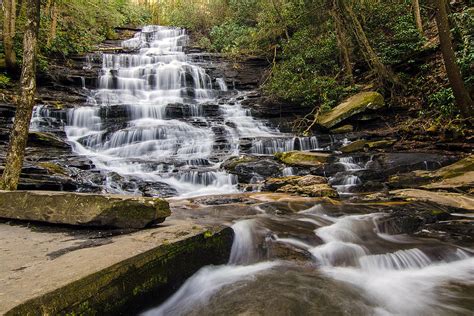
127 128
353 267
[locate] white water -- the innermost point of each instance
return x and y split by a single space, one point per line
157 148
198 289
391 276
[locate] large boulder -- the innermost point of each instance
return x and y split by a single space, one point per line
303 158
356 104
309 185
83 209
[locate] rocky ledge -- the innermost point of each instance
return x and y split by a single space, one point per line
83 209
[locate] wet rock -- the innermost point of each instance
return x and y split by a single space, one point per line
303 158
356 104
46 140
358 145
364 145
459 175
83 209
252 169
457 200
309 185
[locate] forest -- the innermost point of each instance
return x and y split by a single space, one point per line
261 157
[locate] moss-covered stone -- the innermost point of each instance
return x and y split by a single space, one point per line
131 282
233 162
343 129
456 200
356 104
302 158
46 139
358 145
53 168
459 175
380 144
313 186
83 209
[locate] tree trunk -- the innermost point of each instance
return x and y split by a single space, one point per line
343 44
463 99
9 21
26 101
417 13
54 22
384 72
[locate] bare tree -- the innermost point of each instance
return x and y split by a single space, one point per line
463 99
26 101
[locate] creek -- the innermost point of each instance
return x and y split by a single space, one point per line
158 117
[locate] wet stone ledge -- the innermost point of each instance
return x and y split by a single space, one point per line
119 277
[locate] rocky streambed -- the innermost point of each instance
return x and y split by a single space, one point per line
356 218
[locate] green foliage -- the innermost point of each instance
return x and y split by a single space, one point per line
82 24
464 27
443 102
4 80
306 73
393 32
231 37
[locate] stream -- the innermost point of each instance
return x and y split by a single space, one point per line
311 259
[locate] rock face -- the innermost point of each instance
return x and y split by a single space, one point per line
83 209
356 104
302 158
309 185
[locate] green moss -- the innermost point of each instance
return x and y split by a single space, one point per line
53 168
301 158
152 273
354 105
457 169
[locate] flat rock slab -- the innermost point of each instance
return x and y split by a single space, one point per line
56 271
83 209
463 201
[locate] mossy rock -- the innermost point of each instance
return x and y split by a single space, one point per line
364 145
313 186
83 209
345 129
46 140
53 168
358 145
459 175
356 104
233 162
315 190
303 158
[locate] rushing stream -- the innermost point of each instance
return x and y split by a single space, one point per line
310 261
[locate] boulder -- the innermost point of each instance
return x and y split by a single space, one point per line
303 158
356 104
313 186
83 209
249 169
358 145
